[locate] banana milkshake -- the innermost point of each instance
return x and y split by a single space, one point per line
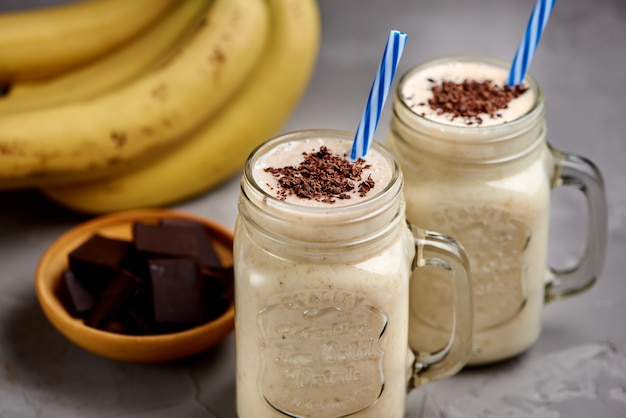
321 284
323 257
482 176
477 167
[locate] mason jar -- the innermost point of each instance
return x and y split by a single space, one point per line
322 299
488 186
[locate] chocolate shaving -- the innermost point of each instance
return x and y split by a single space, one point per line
366 186
323 177
472 98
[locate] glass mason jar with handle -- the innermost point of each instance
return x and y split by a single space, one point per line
488 185
322 292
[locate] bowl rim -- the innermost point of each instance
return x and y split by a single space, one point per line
69 325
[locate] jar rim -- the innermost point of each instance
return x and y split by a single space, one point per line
366 206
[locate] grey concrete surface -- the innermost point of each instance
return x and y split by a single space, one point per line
577 368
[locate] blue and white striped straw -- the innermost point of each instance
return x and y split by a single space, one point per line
378 94
527 47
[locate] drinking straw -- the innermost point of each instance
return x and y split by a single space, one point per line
527 47
378 94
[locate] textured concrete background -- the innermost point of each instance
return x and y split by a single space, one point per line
578 367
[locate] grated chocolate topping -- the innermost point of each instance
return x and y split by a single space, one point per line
323 176
472 98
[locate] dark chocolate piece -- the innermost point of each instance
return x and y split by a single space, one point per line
177 292
113 300
77 298
219 282
207 255
137 321
135 262
138 314
96 261
160 241
218 290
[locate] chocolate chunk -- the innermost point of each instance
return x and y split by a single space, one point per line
219 282
207 256
136 319
96 261
138 314
78 299
218 291
170 240
114 299
177 292
135 262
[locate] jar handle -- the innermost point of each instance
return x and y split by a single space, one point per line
441 251
576 171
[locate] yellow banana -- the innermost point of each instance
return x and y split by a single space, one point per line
107 134
51 39
111 70
219 149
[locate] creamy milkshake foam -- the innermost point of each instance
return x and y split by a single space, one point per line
418 89
292 154
321 301
486 185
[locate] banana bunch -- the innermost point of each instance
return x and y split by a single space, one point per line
48 41
167 115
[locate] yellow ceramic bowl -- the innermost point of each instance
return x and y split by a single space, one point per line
139 349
